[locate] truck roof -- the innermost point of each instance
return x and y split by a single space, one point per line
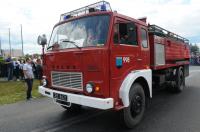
104 7
101 7
156 30
95 7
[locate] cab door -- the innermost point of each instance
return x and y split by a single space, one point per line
125 53
145 47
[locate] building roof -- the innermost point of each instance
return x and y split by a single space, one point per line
14 52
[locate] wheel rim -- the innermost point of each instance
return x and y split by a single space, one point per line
136 105
181 80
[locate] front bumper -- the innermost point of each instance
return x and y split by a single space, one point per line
94 102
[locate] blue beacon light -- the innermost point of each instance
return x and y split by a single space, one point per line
66 17
103 7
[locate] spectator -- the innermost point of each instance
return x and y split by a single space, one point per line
16 69
22 62
34 69
1 69
4 70
28 74
10 67
39 69
198 60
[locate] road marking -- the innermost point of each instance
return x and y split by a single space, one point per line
66 123
191 71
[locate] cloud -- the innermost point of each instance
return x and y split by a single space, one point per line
179 16
38 17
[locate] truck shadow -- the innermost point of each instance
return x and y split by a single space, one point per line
162 108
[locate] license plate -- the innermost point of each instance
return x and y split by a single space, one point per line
60 96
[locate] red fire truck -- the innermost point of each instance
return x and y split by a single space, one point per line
99 58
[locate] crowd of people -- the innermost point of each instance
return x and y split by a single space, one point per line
195 59
12 69
22 69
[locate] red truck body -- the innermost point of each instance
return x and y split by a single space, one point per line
176 51
152 57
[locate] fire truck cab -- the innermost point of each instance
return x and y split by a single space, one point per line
102 59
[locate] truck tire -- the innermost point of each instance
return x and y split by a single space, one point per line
133 114
180 80
72 108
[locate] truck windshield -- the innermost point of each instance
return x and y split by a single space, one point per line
83 32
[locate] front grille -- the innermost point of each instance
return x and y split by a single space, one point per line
68 80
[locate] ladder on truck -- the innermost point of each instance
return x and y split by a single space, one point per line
156 30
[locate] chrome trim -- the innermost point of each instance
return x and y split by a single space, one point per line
68 80
95 102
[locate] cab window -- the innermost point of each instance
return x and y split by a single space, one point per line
125 33
144 38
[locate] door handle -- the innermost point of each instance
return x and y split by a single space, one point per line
50 55
139 59
78 52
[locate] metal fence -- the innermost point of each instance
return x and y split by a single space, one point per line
3 70
195 60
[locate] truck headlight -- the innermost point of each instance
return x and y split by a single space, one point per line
44 81
89 87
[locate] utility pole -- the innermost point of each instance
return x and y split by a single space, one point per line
9 42
22 42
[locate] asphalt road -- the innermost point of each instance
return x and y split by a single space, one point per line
167 113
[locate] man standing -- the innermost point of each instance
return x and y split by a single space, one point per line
28 75
10 67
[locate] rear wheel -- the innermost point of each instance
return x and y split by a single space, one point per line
133 114
180 81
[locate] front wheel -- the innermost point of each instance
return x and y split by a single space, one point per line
133 114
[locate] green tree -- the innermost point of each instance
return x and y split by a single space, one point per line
28 56
194 48
36 55
1 60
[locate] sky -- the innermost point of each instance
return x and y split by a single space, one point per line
39 16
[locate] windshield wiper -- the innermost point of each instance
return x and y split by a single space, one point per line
50 47
72 42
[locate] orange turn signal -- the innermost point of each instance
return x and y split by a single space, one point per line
97 88
147 67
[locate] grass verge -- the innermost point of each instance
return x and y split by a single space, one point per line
13 91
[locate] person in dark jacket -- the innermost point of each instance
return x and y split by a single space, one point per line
10 67
16 69
39 69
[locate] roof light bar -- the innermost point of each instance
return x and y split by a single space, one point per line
99 6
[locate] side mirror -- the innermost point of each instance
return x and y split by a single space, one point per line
42 40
